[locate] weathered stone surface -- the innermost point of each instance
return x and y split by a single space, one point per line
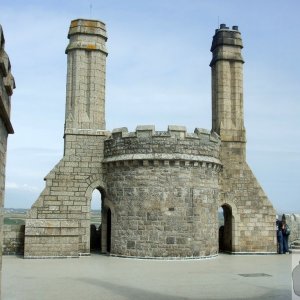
162 205
160 190
13 239
293 220
248 207
7 84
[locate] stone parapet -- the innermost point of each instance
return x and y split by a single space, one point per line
51 238
293 220
175 144
13 239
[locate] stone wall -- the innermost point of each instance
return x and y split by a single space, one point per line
293 220
249 215
163 189
253 214
13 239
7 84
61 215
66 197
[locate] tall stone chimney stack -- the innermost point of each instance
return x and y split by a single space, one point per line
85 103
227 84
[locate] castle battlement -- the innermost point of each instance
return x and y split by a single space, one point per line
174 131
175 144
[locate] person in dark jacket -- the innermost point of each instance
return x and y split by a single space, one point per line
279 236
285 234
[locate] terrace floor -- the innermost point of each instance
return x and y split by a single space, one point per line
113 278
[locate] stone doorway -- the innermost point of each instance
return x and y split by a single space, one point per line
108 236
226 224
106 230
96 220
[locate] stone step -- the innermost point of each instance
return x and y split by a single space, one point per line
294 251
296 243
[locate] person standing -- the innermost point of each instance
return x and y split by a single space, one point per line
279 236
285 234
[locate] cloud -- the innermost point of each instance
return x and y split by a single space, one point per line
21 187
20 195
157 73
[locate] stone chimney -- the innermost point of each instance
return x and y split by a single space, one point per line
227 84
85 100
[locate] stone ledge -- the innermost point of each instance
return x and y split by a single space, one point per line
87 46
75 131
49 223
172 258
162 156
251 253
50 257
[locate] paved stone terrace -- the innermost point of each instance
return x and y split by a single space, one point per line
113 278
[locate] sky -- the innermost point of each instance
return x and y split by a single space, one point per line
157 73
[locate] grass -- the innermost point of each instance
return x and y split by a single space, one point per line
13 221
18 218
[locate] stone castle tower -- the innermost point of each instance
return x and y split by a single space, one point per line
160 191
246 207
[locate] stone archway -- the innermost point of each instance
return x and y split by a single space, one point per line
95 220
106 230
226 231
95 231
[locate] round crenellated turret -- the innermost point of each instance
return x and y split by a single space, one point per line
174 145
163 189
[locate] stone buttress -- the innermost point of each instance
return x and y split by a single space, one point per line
59 221
249 215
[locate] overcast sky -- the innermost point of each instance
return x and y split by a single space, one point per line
157 73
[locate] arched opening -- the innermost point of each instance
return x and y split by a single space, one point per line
226 222
108 235
106 230
95 220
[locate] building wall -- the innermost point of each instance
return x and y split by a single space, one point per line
293 220
163 189
250 214
7 84
58 223
13 239
60 218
